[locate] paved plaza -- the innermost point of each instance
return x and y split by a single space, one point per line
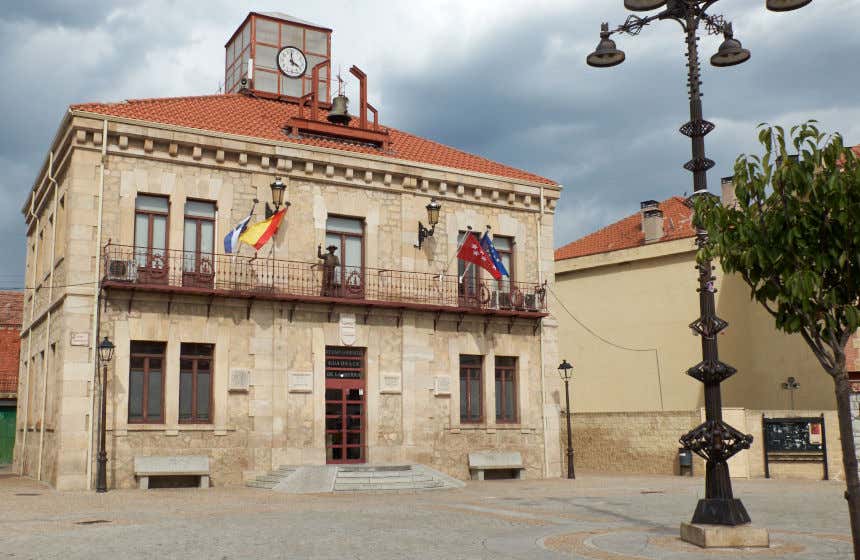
594 517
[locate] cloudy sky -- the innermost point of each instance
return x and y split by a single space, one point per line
502 78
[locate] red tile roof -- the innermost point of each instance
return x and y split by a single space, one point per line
627 233
245 115
11 308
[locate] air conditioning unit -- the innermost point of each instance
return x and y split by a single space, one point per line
531 302
505 300
494 300
122 271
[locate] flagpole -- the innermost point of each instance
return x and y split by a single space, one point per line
460 246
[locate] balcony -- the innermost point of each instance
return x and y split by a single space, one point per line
233 276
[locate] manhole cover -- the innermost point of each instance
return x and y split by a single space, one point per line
92 521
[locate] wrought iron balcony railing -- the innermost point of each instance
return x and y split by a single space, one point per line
258 277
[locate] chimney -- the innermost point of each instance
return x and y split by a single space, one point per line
652 220
728 191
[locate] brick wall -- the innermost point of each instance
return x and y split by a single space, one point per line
10 339
10 344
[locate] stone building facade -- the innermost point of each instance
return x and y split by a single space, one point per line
248 358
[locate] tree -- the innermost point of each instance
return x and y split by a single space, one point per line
794 237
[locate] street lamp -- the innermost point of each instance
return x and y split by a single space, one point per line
106 349
278 189
565 371
714 440
791 385
433 218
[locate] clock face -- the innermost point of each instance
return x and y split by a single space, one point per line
292 62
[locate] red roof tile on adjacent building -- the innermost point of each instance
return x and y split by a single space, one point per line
256 117
628 233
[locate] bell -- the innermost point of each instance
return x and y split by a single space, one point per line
338 113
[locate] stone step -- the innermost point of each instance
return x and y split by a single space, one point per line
425 485
380 475
384 480
261 484
371 468
270 478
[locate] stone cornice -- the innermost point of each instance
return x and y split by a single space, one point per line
257 155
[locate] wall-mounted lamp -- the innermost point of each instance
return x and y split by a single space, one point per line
433 218
278 190
791 385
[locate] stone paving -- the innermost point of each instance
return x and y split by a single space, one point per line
593 518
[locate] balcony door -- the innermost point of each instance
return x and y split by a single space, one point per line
347 234
199 244
470 290
150 238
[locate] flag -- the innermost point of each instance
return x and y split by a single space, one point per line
472 252
259 234
231 241
490 249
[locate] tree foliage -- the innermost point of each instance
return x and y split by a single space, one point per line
794 235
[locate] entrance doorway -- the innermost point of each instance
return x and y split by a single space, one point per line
344 405
7 432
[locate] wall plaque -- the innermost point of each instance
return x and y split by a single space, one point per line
301 382
389 383
80 339
442 385
240 380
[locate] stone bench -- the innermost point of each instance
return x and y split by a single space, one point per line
179 465
482 461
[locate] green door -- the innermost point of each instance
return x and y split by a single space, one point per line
7 434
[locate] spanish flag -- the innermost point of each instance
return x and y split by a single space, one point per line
258 234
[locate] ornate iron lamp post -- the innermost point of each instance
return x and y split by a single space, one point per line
714 440
105 356
565 371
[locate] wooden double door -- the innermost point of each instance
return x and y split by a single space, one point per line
345 405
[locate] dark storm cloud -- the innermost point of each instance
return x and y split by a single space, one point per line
66 13
611 136
513 88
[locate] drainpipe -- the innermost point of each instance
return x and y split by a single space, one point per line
46 366
94 338
30 337
540 340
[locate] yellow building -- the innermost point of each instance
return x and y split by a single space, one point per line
625 296
278 357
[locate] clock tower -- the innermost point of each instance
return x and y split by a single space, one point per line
275 54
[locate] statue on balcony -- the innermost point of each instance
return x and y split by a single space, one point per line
330 262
